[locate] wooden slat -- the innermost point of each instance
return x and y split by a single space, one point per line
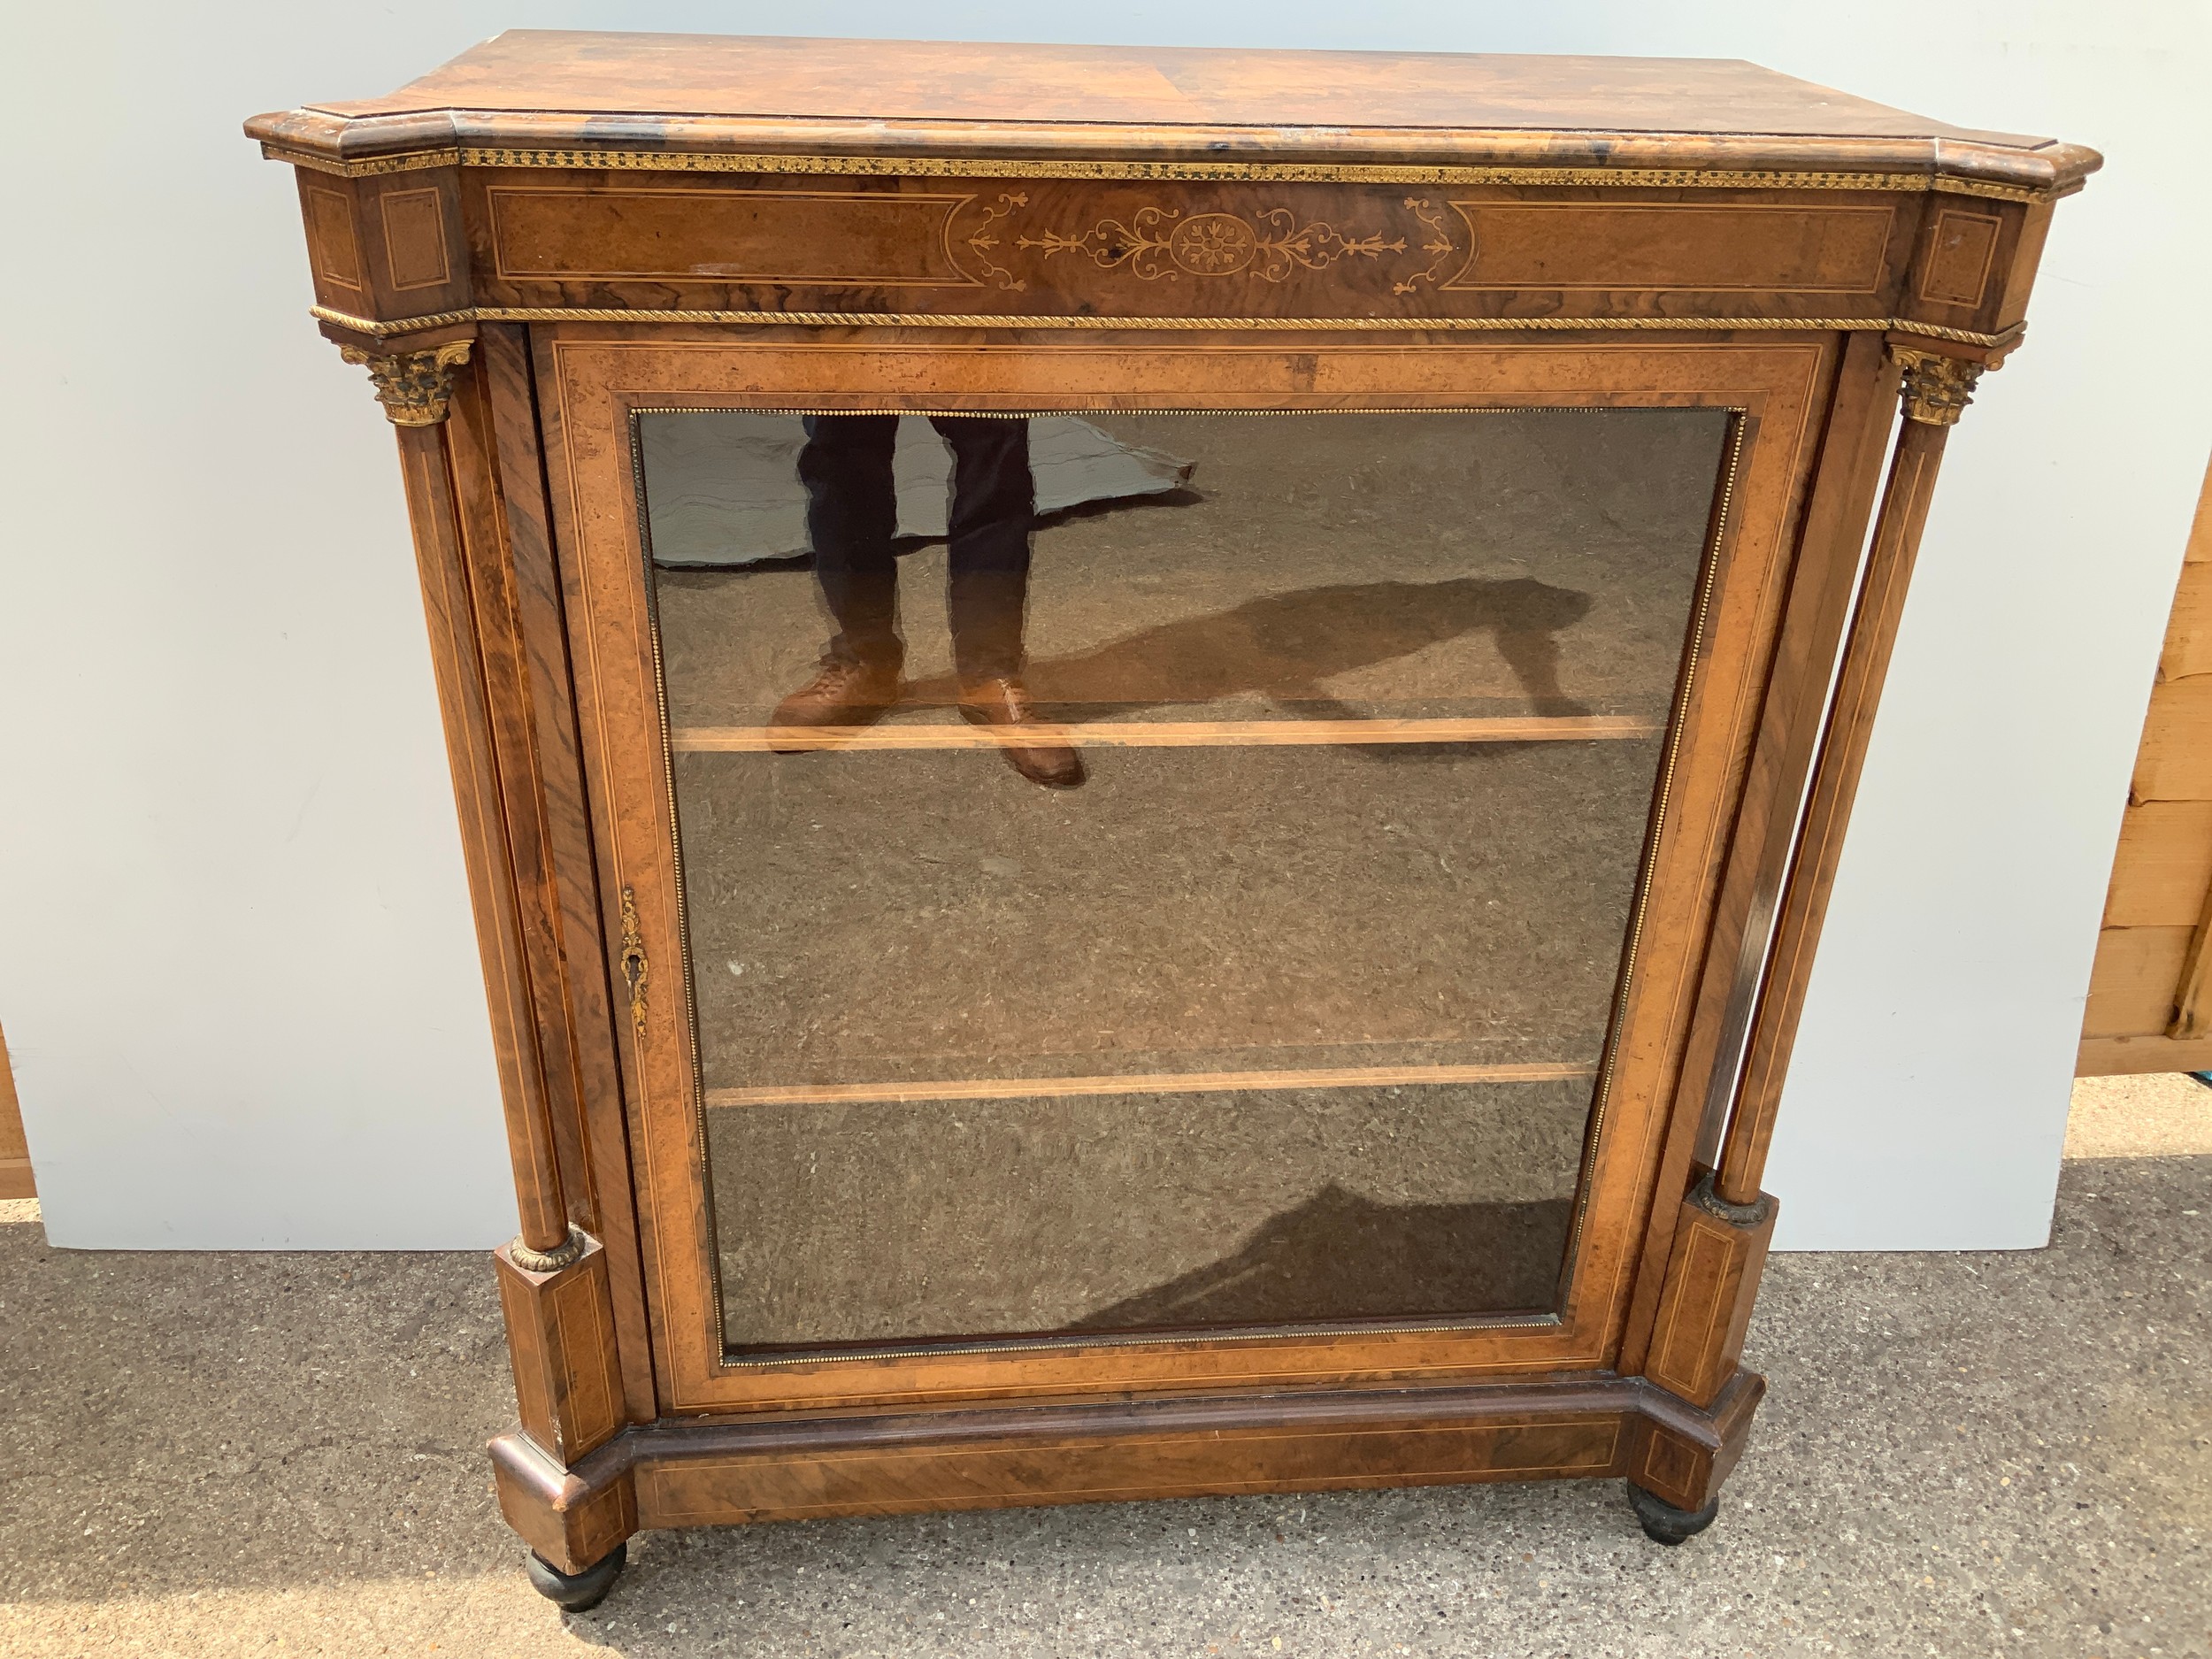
1145 1083
2165 864
15 1152
693 740
2120 1056
2188 648
2133 987
2200 550
2174 762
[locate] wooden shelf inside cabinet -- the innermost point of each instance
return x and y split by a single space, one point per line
1254 952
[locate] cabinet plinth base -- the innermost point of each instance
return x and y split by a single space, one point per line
701 1473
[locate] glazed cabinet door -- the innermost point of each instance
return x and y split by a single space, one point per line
1163 865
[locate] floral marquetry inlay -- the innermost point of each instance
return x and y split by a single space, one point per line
1154 243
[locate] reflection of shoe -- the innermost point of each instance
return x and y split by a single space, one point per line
840 694
1002 702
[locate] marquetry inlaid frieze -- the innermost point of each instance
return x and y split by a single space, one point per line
1107 247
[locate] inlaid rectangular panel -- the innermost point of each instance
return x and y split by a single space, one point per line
872 239
1744 246
1963 247
414 239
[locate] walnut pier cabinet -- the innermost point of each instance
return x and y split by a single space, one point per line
1272 968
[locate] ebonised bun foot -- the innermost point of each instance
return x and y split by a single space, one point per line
578 1590
1663 1522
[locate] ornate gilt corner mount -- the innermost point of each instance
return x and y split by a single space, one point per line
563 1255
414 387
1936 387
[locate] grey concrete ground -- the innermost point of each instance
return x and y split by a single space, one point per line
1961 1455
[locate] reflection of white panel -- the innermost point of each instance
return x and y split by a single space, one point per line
722 488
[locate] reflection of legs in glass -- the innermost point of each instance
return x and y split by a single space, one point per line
994 500
852 514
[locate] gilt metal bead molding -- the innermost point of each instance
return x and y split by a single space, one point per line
1937 388
1196 172
414 387
555 1259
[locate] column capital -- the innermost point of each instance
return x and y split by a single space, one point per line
413 386
1937 386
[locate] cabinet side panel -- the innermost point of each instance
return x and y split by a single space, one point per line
457 662
1839 502
602 1201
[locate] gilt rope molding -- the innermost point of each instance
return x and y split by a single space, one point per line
1371 325
1192 172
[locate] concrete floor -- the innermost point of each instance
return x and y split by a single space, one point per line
209 1454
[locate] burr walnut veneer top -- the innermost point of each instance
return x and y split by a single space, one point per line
533 86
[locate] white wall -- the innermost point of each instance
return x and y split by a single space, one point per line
236 965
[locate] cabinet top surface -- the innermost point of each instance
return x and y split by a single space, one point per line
676 95
563 71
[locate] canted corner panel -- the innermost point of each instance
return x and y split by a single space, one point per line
1961 248
415 250
334 251
571 1517
1754 248
1710 1274
816 239
561 1337
1673 1468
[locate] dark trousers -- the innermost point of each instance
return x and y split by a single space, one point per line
852 515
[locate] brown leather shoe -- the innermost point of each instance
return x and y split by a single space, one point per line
1002 702
840 694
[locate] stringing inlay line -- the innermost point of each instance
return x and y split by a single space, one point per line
694 740
1149 1083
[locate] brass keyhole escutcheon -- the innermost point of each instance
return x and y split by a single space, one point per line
636 970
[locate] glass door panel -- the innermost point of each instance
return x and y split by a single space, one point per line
1159 873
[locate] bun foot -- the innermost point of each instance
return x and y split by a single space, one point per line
1663 1522
575 1591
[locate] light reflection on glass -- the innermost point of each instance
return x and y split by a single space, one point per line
1159 871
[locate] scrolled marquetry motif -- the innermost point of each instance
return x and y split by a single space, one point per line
414 387
982 241
563 1255
1936 387
1155 243
1439 244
